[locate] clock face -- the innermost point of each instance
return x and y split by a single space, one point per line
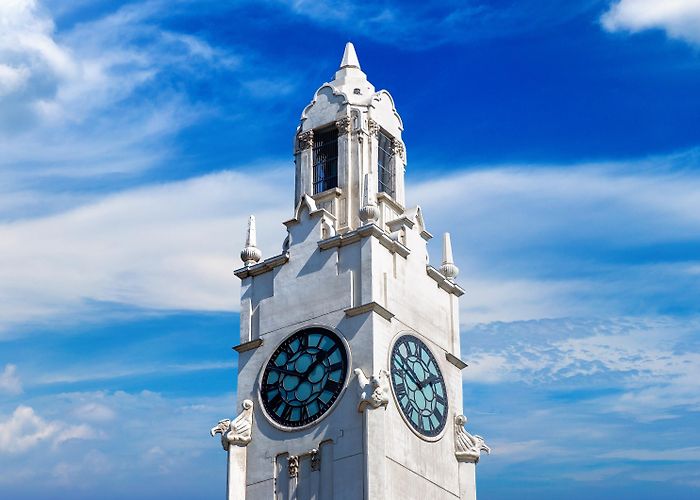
418 386
304 377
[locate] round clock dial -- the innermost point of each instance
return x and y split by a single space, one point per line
418 386
304 377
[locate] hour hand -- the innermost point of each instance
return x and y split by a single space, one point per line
285 371
429 380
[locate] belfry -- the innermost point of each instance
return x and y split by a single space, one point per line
349 369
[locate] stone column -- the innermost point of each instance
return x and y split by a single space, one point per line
468 450
305 153
235 436
374 397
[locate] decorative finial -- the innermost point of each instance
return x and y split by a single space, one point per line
250 253
448 268
349 57
369 211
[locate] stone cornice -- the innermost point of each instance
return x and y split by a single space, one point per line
370 307
262 267
248 346
365 231
444 283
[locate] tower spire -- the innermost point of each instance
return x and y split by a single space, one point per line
349 57
250 253
448 268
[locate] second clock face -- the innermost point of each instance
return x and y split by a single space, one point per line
418 386
304 377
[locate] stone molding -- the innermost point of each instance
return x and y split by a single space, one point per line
238 432
374 391
468 447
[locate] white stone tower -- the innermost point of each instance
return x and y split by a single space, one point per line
349 370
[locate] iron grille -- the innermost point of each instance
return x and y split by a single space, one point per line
386 165
325 160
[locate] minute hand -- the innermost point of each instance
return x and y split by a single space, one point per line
429 380
409 373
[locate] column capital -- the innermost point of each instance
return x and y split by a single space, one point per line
305 140
344 125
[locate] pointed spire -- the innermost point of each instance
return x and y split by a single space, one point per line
349 57
250 253
448 268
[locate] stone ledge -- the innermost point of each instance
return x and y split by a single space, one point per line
444 283
455 361
365 231
262 267
248 346
370 307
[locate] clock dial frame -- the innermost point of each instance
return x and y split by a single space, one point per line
418 386
304 378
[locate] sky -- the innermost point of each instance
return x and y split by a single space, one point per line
557 141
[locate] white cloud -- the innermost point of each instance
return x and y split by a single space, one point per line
691 453
173 246
24 430
170 246
9 380
678 18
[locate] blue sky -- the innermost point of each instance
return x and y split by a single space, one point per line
557 141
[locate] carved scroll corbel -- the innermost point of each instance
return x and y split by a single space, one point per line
239 431
374 391
468 447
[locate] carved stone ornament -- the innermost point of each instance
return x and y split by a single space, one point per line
239 431
374 392
397 149
315 460
306 140
468 448
344 125
293 466
373 127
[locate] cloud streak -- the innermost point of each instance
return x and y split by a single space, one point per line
679 19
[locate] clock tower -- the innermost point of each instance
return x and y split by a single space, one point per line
349 369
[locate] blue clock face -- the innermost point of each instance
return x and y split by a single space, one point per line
304 377
419 386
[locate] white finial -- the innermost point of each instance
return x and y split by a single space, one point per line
250 253
349 57
369 211
448 268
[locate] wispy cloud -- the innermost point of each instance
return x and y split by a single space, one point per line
24 429
170 246
678 18
10 381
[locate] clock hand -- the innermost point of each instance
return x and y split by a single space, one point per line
319 359
285 371
410 374
429 380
